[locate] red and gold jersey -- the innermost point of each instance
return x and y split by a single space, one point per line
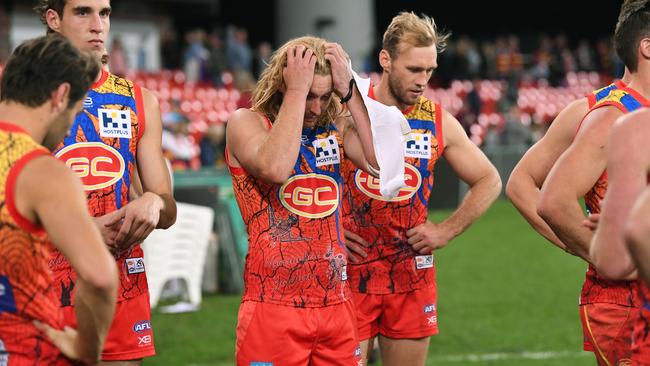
392 266
101 148
296 254
597 289
599 94
26 283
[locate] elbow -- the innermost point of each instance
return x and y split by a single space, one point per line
512 188
547 209
274 175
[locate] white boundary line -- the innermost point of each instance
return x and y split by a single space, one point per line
525 355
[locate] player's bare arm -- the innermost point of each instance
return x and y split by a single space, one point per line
270 154
628 157
75 235
473 168
637 235
156 207
526 179
574 174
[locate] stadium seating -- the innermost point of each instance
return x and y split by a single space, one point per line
179 252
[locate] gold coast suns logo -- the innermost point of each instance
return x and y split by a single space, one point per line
98 165
369 185
310 195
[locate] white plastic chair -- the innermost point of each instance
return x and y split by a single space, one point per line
179 252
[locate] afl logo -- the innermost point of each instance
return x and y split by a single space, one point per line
369 185
310 195
98 165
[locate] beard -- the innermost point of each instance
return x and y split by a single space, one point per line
399 92
58 129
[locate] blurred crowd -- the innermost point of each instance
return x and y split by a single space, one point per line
505 91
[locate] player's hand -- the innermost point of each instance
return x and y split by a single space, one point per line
340 64
140 219
355 245
66 340
591 222
109 225
427 237
299 72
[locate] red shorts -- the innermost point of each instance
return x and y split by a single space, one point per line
607 330
270 334
406 315
130 336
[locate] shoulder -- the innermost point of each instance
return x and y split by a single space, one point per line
247 118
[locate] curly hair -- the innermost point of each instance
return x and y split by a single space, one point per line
267 95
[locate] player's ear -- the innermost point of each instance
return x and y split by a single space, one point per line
644 49
53 20
60 97
384 60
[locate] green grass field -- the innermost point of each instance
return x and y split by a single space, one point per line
505 297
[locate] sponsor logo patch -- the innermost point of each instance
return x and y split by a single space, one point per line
424 261
114 123
419 146
369 185
7 299
429 308
135 265
97 164
88 102
344 273
327 151
144 340
310 195
142 326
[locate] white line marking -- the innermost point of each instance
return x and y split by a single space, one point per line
526 355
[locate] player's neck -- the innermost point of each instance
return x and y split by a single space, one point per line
385 96
32 120
640 80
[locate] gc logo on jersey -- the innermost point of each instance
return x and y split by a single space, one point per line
369 185
419 146
114 123
327 151
98 165
310 195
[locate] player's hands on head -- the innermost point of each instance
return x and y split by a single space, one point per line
299 72
340 64
355 245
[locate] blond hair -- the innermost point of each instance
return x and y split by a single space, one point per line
417 31
267 95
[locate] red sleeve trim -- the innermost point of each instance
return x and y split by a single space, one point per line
10 127
591 99
438 122
139 106
102 78
621 84
235 170
10 190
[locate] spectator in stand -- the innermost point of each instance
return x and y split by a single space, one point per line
262 58
217 61
117 61
238 51
195 57
213 145
179 147
585 57
169 47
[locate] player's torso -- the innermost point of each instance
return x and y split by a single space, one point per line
296 254
641 335
391 265
597 289
26 289
101 149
